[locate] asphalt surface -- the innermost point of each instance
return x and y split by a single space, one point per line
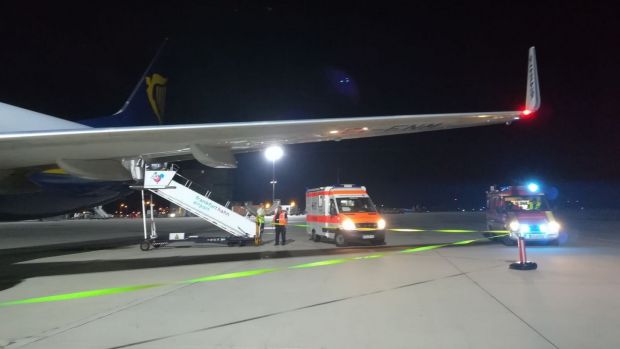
86 284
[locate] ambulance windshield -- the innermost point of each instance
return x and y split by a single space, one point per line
351 205
525 203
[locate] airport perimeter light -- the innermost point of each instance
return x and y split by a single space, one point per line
273 154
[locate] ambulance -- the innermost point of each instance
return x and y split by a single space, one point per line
521 210
343 213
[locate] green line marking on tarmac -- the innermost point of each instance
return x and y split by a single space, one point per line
422 248
404 230
219 277
464 242
417 230
457 231
320 263
237 275
449 231
82 294
372 256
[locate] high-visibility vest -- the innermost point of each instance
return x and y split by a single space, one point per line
260 216
282 218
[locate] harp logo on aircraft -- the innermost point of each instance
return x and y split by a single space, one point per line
157 177
156 93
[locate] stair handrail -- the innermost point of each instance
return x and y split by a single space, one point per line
198 188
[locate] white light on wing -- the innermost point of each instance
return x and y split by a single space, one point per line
274 153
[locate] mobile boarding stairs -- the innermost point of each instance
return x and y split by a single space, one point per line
173 187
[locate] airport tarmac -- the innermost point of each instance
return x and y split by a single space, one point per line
85 284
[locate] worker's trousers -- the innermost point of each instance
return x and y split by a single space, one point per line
280 233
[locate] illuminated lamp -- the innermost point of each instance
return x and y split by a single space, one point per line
527 113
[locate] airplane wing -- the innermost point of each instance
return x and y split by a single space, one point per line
98 153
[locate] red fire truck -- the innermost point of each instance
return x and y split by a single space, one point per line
343 213
522 211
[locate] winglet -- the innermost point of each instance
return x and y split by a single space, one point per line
532 99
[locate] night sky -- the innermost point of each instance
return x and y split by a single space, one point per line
258 60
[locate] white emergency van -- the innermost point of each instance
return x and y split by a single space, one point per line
343 213
522 211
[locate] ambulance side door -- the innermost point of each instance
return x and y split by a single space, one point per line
321 208
494 216
332 210
312 209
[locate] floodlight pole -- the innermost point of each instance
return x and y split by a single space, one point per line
273 181
273 153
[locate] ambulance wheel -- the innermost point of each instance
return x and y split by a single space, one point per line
315 237
340 240
145 245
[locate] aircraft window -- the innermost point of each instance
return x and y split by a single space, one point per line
332 208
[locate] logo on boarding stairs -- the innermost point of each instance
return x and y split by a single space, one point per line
157 177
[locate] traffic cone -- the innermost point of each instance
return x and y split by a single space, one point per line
523 263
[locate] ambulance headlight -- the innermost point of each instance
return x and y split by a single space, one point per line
553 227
348 224
514 225
381 224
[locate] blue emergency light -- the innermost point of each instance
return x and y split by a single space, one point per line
533 187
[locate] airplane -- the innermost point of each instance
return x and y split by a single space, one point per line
50 166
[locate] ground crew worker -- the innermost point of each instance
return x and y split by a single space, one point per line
260 223
279 220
